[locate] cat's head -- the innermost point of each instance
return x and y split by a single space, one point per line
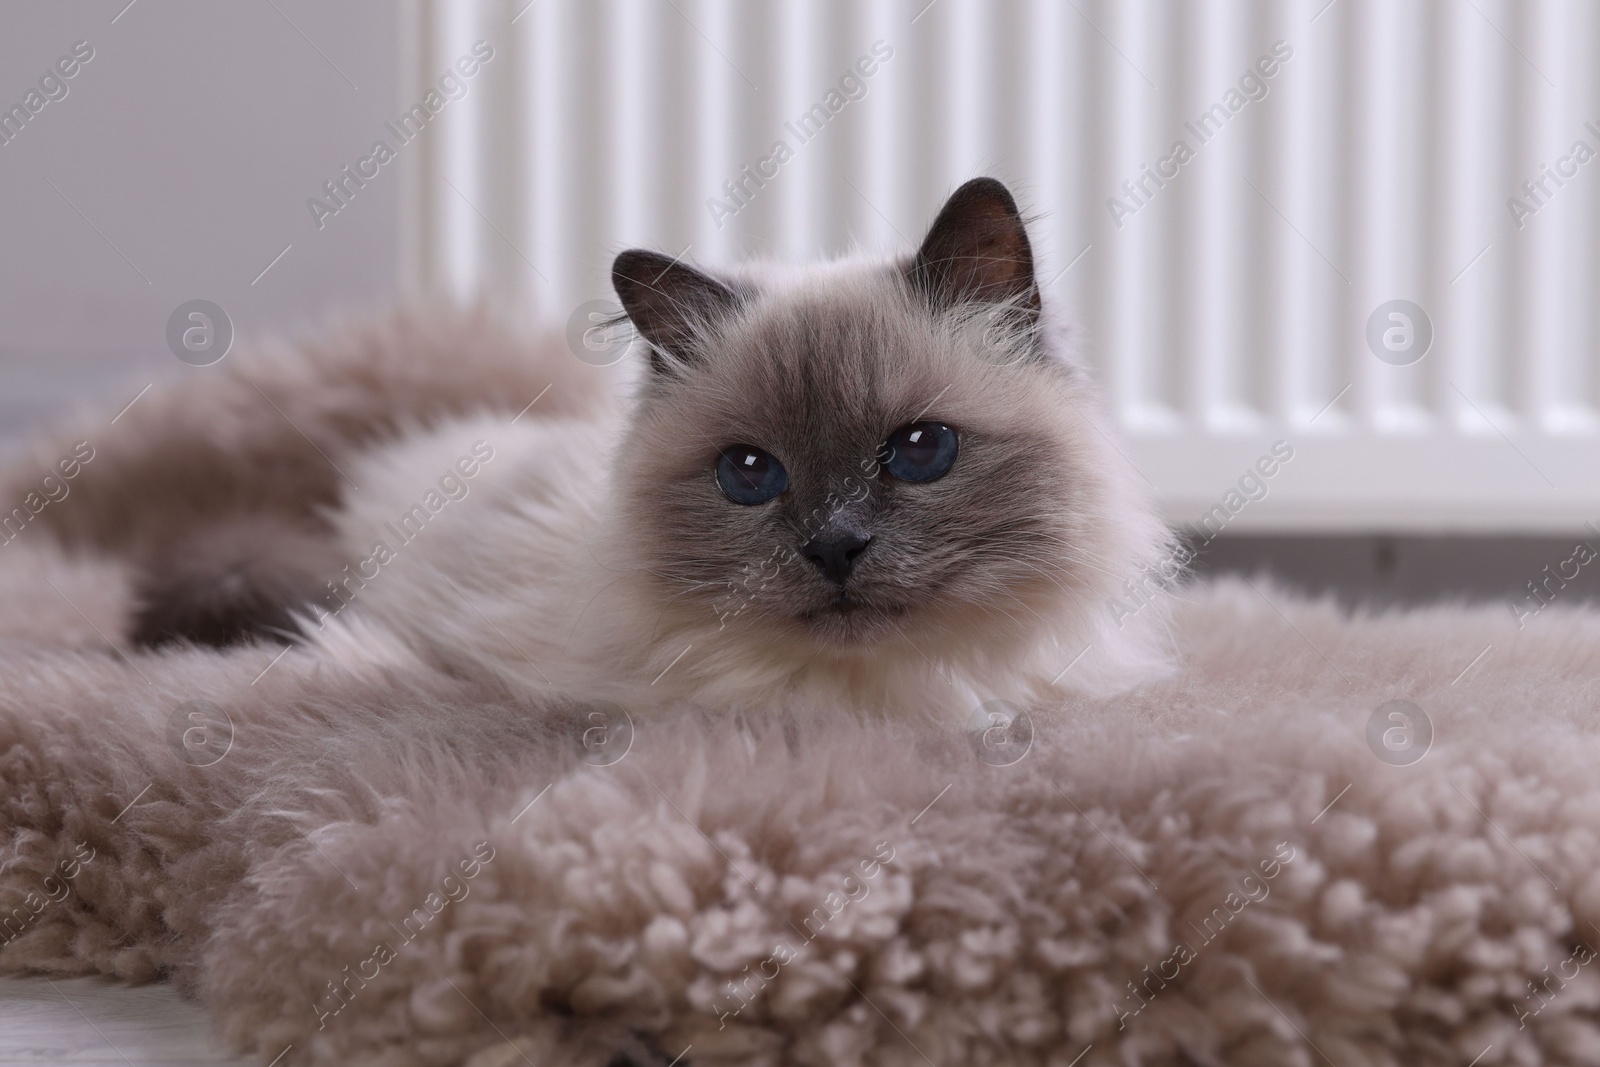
875 458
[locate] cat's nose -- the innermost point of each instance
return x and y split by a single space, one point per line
835 551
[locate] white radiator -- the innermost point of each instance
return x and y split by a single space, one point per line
1420 152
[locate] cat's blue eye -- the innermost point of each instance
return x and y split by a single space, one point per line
748 475
921 452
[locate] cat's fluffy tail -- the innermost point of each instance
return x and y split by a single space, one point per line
265 439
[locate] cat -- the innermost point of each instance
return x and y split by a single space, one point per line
872 482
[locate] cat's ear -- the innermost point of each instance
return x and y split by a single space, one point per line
670 304
977 251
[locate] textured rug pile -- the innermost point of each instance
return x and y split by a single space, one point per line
1326 840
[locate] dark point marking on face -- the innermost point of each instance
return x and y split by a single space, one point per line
922 479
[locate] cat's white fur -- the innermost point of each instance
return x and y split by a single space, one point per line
527 578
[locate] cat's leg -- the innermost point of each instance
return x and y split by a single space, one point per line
243 576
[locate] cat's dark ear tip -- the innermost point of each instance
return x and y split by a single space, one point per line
637 265
986 188
977 251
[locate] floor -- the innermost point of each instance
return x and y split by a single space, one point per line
89 1022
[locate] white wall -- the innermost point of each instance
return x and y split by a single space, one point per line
189 143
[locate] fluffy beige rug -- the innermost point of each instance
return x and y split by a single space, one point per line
1245 864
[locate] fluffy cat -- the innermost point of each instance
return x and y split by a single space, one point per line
868 482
